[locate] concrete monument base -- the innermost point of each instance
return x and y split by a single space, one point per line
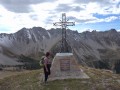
64 66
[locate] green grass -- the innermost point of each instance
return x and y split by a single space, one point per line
99 80
24 81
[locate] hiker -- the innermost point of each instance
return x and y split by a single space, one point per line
47 65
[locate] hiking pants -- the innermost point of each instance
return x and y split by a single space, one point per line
47 73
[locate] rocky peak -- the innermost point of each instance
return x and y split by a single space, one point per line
87 45
111 30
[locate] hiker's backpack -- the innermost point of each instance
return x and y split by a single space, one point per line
42 60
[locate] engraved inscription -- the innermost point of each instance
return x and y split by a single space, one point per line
65 64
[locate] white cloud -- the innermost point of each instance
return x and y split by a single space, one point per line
44 13
118 30
108 19
87 29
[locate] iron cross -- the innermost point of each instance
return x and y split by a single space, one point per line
64 23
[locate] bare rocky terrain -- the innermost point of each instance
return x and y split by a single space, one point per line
94 49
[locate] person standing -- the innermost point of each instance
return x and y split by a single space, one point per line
47 65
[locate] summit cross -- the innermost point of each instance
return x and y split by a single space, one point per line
64 23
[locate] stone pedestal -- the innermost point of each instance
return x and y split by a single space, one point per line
65 66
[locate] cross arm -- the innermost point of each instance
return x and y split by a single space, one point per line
70 23
57 24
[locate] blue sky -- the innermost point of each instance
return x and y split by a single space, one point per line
100 26
100 15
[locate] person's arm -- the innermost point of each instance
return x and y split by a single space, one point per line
45 63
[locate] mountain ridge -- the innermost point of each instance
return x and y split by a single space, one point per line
87 46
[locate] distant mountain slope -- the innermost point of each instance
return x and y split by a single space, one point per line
89 47
27 41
